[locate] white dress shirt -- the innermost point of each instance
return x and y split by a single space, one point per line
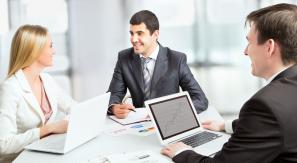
152 63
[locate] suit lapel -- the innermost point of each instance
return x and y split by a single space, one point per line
50 95
160 66
136 69
28 94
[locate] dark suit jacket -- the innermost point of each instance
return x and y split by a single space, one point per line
266 130
170 72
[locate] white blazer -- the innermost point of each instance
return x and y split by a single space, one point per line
20 113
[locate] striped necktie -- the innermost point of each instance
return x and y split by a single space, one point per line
146 77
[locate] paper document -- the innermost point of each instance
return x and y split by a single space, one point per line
145 156
140 129
116 130
140 115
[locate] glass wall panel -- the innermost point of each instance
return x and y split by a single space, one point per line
52 14
212 34
4 27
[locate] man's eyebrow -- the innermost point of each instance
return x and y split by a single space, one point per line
140 31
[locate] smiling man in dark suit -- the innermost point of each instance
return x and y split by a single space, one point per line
265 131
150 70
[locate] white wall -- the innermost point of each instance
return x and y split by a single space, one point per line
96 31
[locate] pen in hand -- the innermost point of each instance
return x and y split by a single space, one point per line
132 110
125 106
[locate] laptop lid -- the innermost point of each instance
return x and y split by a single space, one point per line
174 116
86 120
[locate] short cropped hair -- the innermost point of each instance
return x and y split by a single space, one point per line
148 18
277 22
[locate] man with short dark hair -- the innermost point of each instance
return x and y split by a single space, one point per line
150 70
265 131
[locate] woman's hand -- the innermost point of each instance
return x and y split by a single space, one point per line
58 127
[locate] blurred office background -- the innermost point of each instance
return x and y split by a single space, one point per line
87 35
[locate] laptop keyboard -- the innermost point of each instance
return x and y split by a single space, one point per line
200 138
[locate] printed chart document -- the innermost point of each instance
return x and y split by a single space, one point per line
140 115
140 129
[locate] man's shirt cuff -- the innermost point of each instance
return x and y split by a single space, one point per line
109 112
228 126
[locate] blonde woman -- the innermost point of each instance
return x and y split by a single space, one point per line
29 99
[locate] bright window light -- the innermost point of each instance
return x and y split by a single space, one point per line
3 17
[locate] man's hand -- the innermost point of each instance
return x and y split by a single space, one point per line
214 125
121 110
171 149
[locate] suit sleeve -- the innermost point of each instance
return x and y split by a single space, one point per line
10 140
117 86
188 83
257 138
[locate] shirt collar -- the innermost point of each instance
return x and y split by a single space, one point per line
154 53
274 75
20 76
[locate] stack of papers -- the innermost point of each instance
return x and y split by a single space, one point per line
140 115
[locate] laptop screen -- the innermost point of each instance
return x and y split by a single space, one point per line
174 116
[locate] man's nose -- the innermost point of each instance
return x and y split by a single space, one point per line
245 51
134 38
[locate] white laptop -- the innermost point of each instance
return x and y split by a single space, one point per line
175 119
86 121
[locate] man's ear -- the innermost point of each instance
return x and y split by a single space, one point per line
156 34
271 47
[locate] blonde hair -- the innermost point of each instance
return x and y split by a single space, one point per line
26 46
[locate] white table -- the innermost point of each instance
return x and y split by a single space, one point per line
105 144
102 145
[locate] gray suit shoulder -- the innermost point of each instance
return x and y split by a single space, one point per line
175 54
126 52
